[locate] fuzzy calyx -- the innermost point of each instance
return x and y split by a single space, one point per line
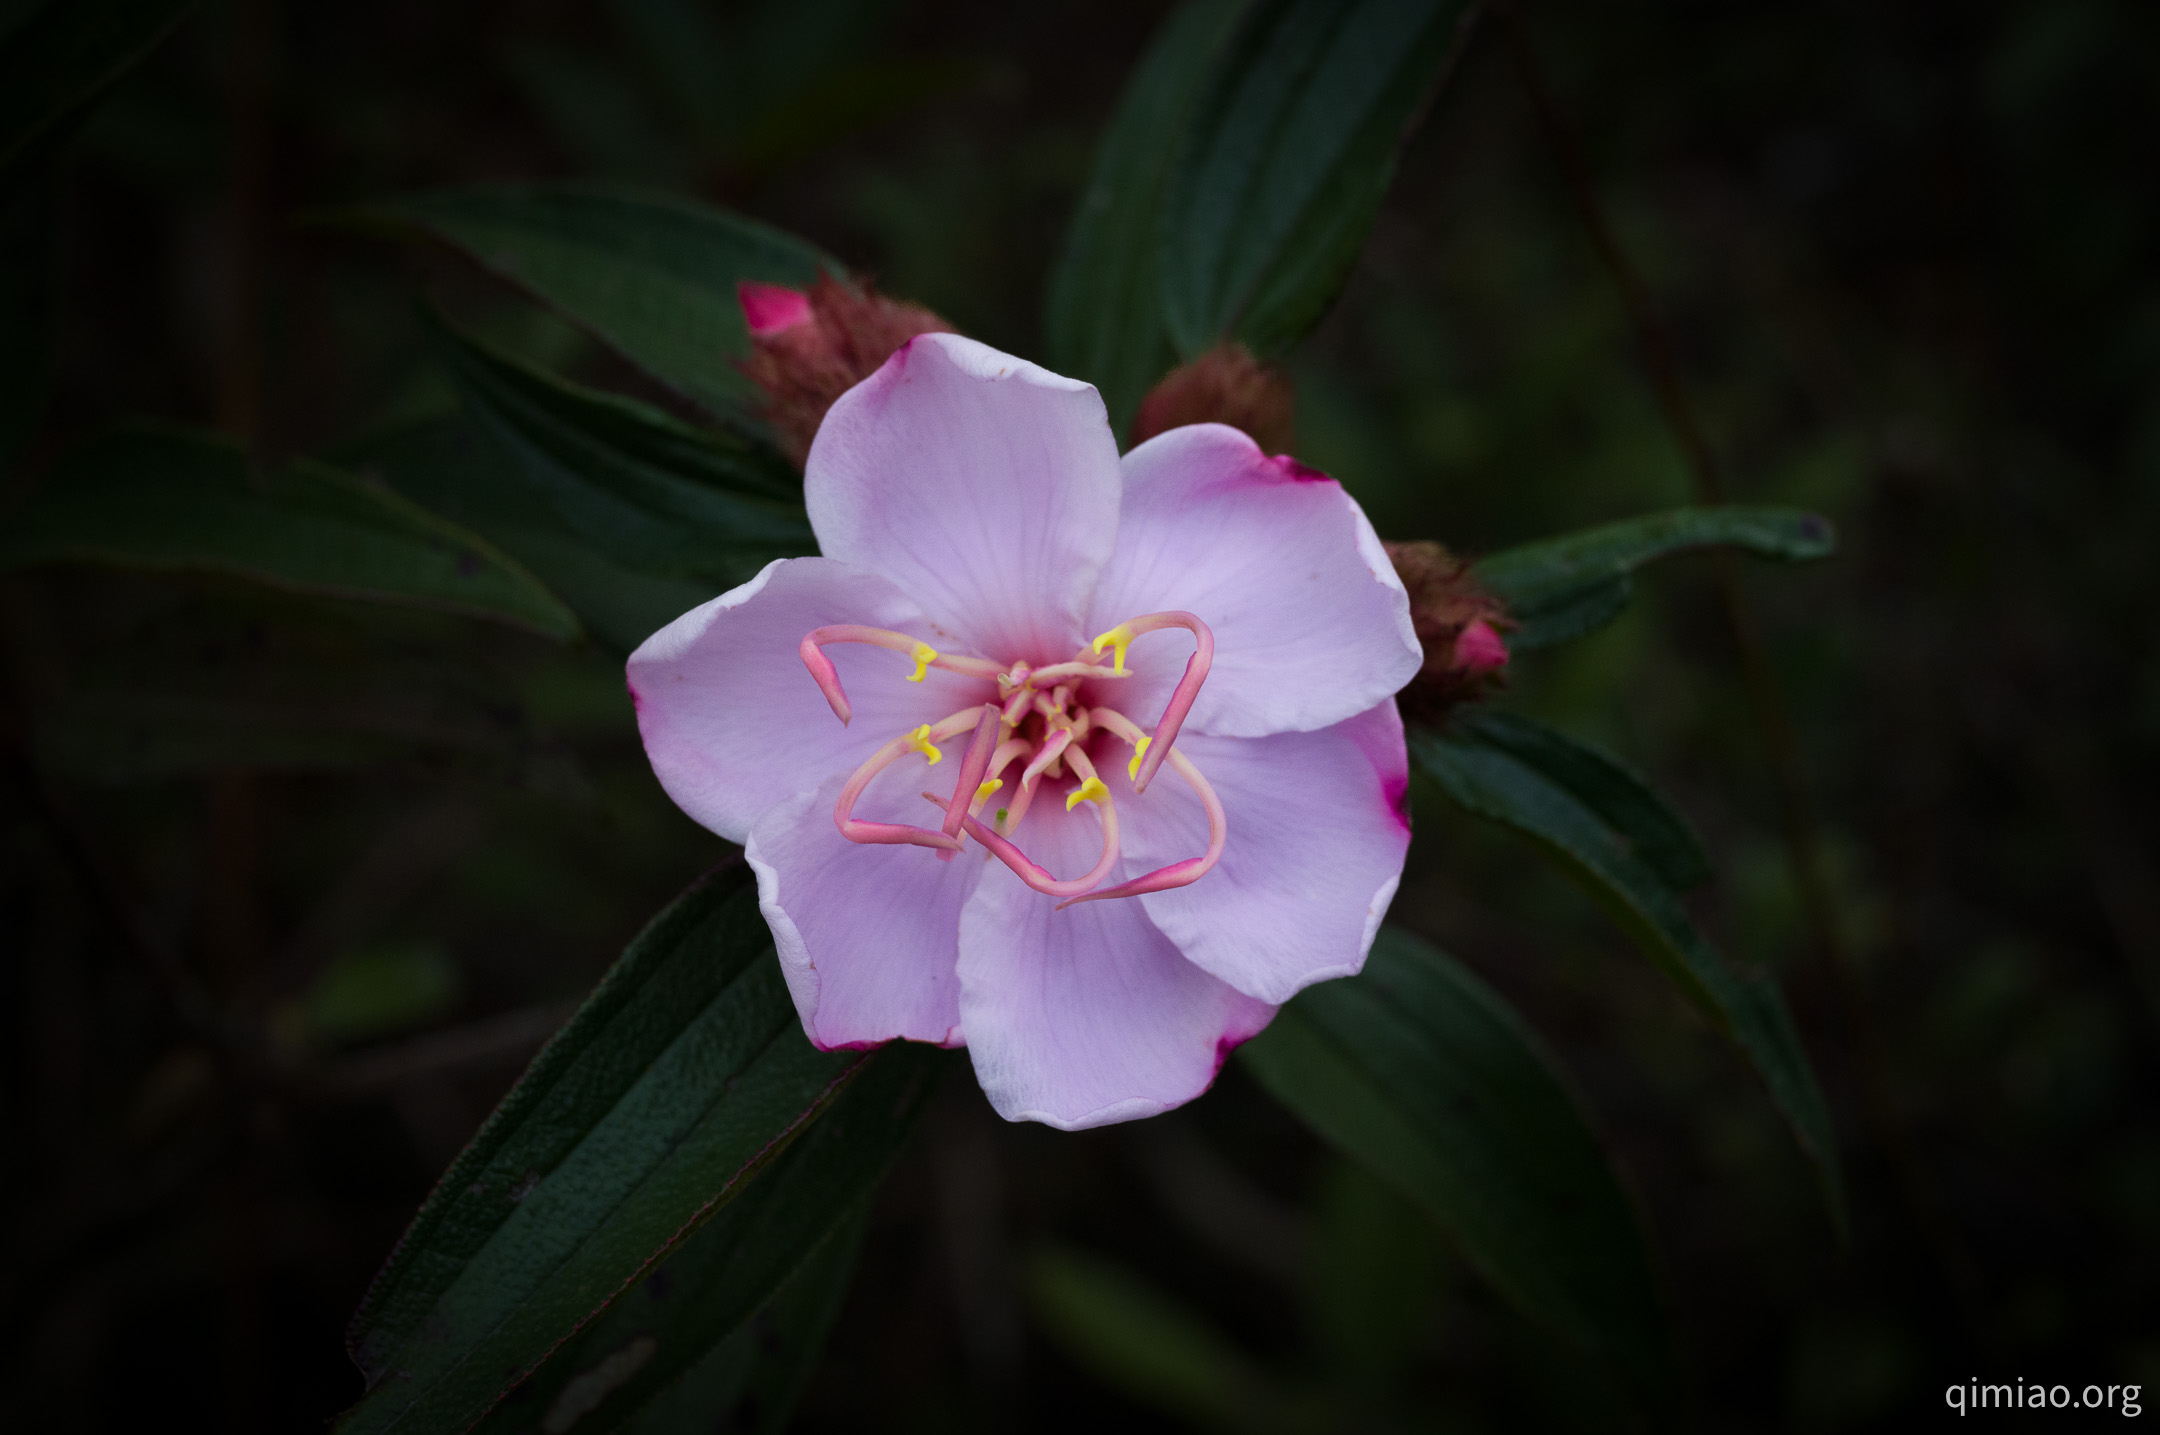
1226 385
1459 625
809 348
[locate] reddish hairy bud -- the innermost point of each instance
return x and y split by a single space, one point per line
1226 385
1459 625
807 349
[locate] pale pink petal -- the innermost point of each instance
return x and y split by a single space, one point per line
1086 1016
733 722
869 936
1311 624
987 488
1316 842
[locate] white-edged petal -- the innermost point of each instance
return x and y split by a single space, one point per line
734 723
1311 624
985 487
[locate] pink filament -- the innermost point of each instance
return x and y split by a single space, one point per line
980 748
856 829
1182 696
1038 878
1177 874
828 678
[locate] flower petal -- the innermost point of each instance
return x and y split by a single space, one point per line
1311 624
987 488
732 721
1315 849
869 936
1086 1016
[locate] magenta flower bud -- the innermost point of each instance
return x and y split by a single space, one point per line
770 309
1457 622
809 348
1479 650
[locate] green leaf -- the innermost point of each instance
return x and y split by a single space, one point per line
244 679
379 991
1560 588
57 63
448 465
692 1344
1619 795
753 1380
174 502
1575 826
1286 160
682 1079
643 490
650 276
1138 1338
1418 1070
1105 320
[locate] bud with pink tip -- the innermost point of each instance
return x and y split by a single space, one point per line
1459 625
809 348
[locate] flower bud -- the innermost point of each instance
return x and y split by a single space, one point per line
1226 385
1459 625
809 348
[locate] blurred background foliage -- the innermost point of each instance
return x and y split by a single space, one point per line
1909 255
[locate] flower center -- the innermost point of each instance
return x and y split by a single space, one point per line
1039 723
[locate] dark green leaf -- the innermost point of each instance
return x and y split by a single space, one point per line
56 64
182 503
1495 781
652 277
691 1345
641 489
680 1080
1138 1338
449 466
244 679
1617 793
1559 588
1286 160
753 1380
1418 1070
1105 317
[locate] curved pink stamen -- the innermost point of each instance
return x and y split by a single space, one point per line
1177 874
1016 706
828 678
1053 748
972 767
1079 669
1037 877
856 829
1182 696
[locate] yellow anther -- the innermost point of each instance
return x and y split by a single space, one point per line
920 741
989 787
1139 750
924 655
1121 636
1090 791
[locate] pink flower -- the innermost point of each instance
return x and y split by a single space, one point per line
954 814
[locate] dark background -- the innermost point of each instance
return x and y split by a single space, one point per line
1908 255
